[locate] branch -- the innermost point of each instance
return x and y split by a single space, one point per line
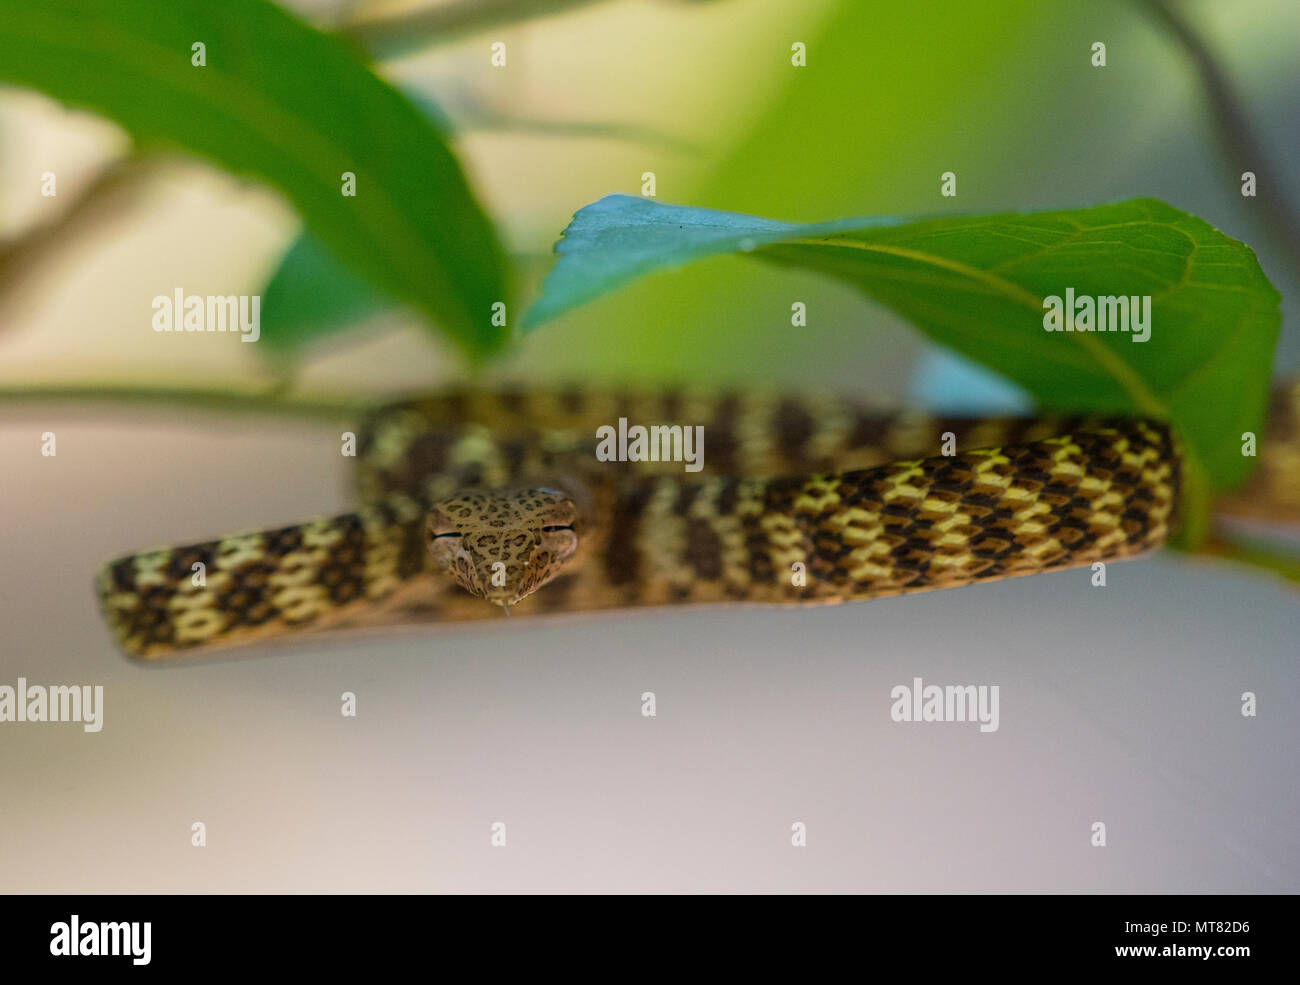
347 410
1286 566
1243 150
112 192
273 401
399 34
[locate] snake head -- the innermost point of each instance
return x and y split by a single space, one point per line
504 544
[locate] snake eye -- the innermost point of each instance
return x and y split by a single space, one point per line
552 528
453 533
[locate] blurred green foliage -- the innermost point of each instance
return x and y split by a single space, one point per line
256 106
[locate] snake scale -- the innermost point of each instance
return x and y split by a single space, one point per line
497 496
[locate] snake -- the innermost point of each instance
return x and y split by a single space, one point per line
474 502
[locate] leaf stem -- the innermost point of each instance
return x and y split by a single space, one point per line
272 401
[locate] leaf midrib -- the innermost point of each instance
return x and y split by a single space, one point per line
1143 397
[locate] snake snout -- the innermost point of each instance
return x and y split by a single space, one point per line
502 546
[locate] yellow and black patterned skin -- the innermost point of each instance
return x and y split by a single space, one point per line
801 501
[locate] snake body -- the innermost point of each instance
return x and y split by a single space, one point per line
801 501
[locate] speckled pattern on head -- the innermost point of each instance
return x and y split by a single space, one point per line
802 500
502 545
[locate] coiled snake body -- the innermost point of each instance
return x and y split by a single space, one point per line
499 494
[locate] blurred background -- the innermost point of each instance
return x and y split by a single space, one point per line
1120 705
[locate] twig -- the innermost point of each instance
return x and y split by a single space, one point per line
1285 565
1244 151
112 192
348 410
272 401
398 34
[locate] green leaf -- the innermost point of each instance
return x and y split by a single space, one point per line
977 284
312 295
292 107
